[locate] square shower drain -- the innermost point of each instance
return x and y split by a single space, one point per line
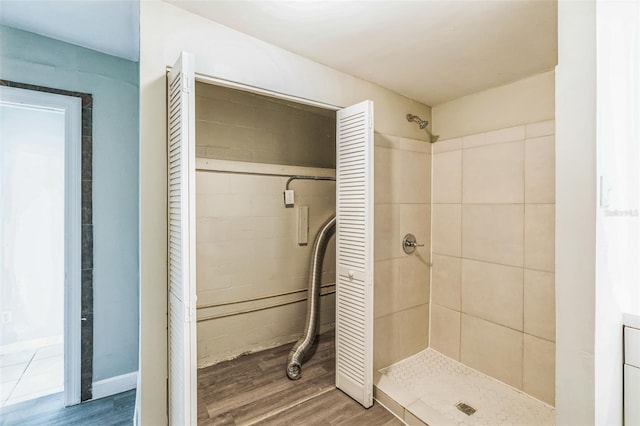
465 408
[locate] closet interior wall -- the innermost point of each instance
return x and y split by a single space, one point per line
251 272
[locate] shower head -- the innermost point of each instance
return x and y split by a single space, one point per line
422 123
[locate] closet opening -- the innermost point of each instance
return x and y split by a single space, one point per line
265 185
250 179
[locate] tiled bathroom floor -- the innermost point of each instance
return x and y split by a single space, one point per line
429 385
31 373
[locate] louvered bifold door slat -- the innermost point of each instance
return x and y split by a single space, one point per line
354 252
181 244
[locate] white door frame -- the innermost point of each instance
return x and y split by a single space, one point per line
72 108
364 394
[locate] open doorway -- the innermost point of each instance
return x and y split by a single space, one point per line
41 245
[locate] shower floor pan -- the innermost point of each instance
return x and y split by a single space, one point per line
431 388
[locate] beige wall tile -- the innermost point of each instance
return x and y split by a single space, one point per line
401 176
385 294
540 170
400 284
471 141
540 304
395 175
415 219
446 231
412 282
508 134
413 330
496 136
539 368
446 281
541 128
492 349
383 175
493 233
539 237
493 292
387 242
445 331
385 341
447 145
447 177
415 175
493 174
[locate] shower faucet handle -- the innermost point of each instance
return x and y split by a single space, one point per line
409 243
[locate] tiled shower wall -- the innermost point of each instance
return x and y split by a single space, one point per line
401 281
493 296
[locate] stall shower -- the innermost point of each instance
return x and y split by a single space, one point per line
490 356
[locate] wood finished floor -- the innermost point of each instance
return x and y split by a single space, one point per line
254 389
49 410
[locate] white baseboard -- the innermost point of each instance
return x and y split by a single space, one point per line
114 385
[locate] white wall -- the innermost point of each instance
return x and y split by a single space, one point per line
525 101
618 157
223 53
575 212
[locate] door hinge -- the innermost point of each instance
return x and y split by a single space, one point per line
189 313
187 83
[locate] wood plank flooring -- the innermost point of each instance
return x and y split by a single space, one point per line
254 389
49 410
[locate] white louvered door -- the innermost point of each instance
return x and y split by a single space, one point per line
354 252
181 217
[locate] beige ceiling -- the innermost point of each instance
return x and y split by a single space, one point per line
431 51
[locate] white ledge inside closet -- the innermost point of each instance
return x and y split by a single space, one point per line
206 164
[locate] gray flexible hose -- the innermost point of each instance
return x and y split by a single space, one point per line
312 327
